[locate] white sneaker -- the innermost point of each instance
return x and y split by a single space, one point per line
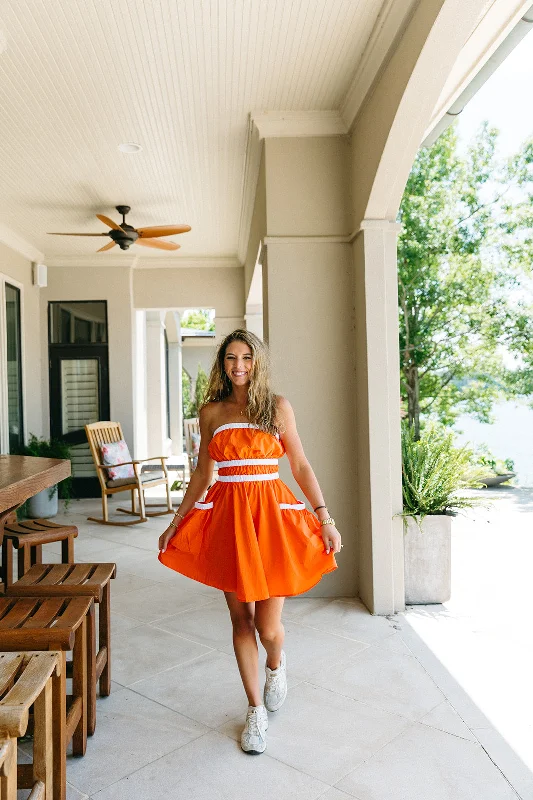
253 737
275 690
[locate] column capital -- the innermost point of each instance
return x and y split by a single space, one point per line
155 319
385 225
298 123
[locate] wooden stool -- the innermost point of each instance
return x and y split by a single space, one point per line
28 537
62 580
55 623
39 679
8 769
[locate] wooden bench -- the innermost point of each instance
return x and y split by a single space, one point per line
28 537
74 580
36 679
54 623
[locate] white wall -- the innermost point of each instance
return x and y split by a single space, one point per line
192 356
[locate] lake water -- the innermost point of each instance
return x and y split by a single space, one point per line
511 436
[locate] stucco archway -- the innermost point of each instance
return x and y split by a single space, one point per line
385 138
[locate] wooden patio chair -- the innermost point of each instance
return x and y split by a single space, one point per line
191 426
99 433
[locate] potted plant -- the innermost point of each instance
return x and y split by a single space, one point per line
44 503
434 472
492 471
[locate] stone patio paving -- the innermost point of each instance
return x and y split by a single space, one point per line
370 714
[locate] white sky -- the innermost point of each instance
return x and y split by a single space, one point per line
506 101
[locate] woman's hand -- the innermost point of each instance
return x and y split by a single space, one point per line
331 538
166 536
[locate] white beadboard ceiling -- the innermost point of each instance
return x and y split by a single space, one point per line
180 77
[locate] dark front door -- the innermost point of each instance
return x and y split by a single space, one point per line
79 382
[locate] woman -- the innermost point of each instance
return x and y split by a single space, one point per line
251 537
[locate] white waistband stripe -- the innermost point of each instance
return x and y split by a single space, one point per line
203 505
297 506
269 476
247 462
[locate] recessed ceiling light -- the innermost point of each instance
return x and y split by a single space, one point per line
129 147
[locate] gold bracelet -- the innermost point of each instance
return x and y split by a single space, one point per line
328 521
173 524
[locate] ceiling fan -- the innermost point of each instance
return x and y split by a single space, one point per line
125 235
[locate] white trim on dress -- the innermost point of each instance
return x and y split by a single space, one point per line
247 462
268 476
203 505
298 506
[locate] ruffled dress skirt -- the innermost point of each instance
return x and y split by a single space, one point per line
251 535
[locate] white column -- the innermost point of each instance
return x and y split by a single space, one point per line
175 363
254 319
140 407
377 373
156 385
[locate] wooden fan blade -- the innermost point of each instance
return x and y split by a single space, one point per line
77 234
159 245
162 230
109 222
106 247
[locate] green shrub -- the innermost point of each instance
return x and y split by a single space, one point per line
434 472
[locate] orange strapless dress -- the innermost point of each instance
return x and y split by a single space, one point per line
250 535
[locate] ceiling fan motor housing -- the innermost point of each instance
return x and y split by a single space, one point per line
124 238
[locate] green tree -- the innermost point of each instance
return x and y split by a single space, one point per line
187 399
463 275
200 388
199 319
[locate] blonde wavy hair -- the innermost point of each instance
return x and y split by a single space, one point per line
261 406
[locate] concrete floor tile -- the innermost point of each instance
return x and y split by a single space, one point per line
424 763
208 689
323 734
210 625
131 731
128 582
348 619
309 650
391 681
155 603
121 623
144 651
214 767
335 794
445 718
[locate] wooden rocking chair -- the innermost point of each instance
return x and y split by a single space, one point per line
99 433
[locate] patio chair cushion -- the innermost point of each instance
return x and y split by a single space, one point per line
146 477
117 453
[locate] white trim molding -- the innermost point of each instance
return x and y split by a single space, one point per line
19 245
276 124
390 25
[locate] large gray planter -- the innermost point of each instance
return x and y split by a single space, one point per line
428 560
41 505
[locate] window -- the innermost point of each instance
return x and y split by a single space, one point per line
78 322
11 389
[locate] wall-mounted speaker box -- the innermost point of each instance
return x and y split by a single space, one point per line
39 276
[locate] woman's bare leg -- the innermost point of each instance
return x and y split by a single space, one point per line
245 645
270 628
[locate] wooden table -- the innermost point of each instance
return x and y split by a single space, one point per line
22 477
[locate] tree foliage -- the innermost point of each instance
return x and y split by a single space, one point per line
199 319
464 279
